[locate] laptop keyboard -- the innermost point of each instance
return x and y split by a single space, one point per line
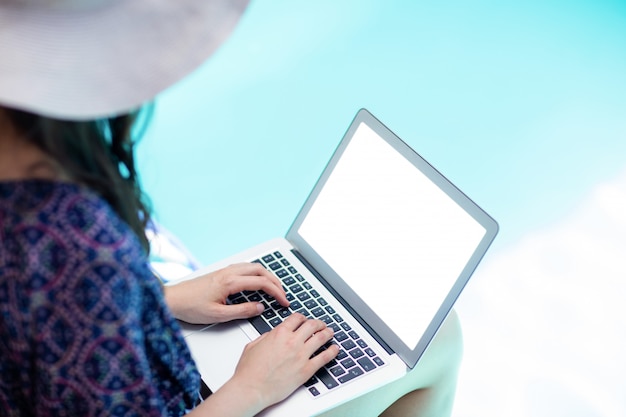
355 357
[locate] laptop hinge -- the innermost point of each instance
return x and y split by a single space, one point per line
343 302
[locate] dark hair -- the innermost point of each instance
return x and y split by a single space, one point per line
96 153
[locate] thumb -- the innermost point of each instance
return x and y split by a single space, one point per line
243 310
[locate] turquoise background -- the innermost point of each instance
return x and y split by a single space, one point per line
521 104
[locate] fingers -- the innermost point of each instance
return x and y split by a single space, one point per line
314 343
239 311
311 335
278 361
293 322
324 357
260 283
253 268
314 332
253 276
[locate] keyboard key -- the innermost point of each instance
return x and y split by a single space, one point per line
304 312
310 304
352 373
353 334
366 364
255 297
341 336
259 324
330 310
268 258
303 296
341 355
317 312
378 361
299 277
321 301
370 352
337 370
334 326
296 288
339 319
347 363
289 280
311 381
315 293
290 297
326 319
345 326
285 262
281 273
274 266
307 285
326 378
314 391
284 312
291 269
295 305
361 343
277 254
275 321
268 314
356 353
348 345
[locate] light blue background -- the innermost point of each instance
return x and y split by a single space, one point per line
521 104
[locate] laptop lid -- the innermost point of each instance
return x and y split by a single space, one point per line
391 236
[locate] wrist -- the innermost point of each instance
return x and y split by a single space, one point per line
172 299
235 399
255 400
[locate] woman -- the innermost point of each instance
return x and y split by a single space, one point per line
85 327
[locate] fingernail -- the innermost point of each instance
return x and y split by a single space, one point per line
260 308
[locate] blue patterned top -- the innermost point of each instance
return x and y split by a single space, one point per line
84 329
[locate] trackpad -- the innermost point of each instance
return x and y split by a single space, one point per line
216 351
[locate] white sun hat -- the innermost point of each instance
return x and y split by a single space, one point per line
74 59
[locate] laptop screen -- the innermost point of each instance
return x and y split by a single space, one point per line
396 234
390 233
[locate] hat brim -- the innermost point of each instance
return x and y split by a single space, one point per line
89 62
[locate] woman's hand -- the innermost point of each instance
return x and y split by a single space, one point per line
273 366
203 300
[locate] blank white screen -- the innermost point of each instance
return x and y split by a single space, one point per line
396 239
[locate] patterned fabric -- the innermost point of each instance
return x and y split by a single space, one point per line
84 330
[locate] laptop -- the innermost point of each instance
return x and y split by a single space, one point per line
380 251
